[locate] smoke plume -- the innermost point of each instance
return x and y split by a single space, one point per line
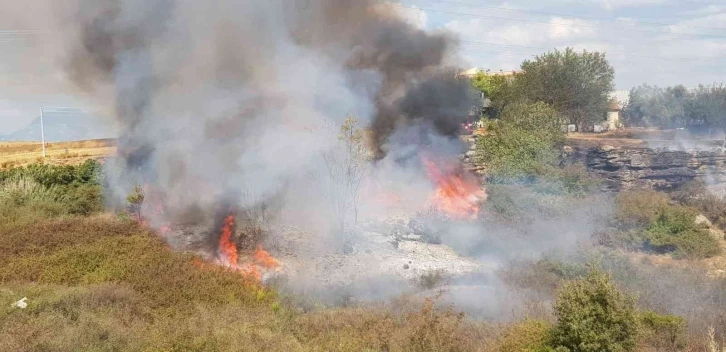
231 96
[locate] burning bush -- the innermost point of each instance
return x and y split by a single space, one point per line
457 193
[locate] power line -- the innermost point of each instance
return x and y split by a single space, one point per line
557 24
572 16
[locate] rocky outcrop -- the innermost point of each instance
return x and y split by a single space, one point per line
468 158
629 167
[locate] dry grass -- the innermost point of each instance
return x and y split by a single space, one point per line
106 284
15 154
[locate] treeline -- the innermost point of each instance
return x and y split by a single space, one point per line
528 110
678 106
575 84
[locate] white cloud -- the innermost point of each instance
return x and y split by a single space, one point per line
524 34
563 28
709 20
637 53
616 4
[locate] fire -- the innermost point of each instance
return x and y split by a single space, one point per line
228 255
152 208
264 259
227 248
456 195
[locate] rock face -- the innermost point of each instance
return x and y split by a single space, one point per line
631 167
468 159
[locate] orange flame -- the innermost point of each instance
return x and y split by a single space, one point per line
228 255
264 259
456 195
153 206
227 248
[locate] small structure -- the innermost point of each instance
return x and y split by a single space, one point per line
472 72
613 119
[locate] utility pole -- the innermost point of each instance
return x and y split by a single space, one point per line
42 131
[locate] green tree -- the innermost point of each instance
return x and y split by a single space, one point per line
708 105
496 89
657 107
522 141
676 106
575 84
594 316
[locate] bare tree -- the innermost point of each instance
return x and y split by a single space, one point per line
346 166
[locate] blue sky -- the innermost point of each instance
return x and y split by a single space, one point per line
663 42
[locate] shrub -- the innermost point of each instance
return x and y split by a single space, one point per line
62 189
645 220
593 315
674 230
53 175
639 208
527 336
521 142
431 279
571 180
21 191
522 204
694 194
81 199
662 331
135 201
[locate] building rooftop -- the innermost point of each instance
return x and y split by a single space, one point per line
476 70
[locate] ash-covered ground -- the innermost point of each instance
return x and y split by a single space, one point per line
381 258
397 246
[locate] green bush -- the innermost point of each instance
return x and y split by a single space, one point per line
62 189
526 336
593 315
674 231
89 172
663 332
524 140
646 220
25 191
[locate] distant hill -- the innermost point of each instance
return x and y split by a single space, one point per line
64 125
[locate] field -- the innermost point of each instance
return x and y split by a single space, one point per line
97 279
13 154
